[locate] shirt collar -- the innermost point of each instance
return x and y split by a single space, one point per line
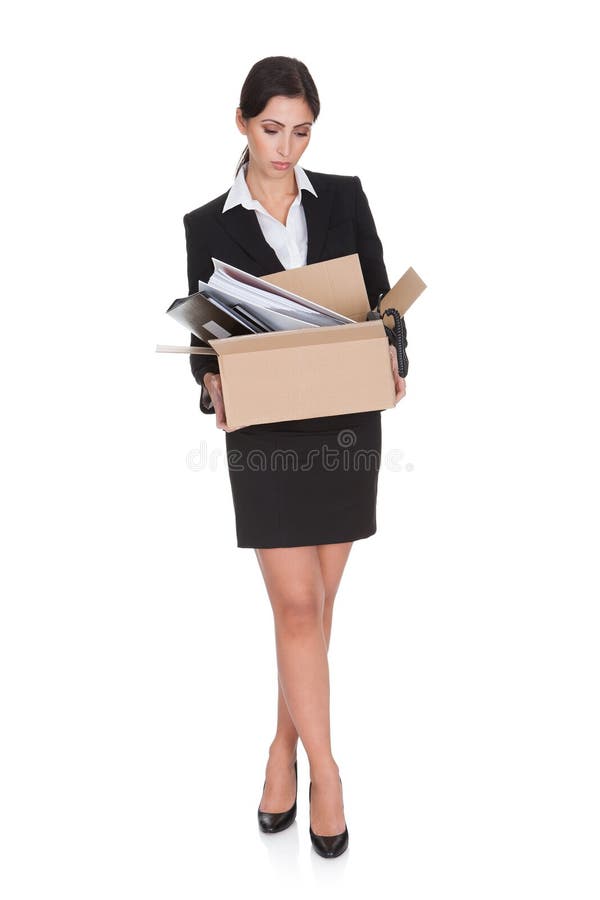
239 192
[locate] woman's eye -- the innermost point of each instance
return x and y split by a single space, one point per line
298 133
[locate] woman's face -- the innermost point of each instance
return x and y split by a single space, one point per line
280 133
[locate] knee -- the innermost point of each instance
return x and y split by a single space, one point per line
301 609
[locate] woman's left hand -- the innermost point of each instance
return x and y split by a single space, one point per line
399 382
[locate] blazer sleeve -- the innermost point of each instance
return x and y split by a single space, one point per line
370 250
199 268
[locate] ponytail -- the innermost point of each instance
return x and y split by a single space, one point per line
243 160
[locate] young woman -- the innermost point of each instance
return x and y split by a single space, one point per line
300 518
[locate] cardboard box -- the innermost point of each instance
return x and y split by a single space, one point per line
308 372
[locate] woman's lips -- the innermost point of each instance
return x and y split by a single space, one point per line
279 165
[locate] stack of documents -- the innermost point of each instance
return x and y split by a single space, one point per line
233 302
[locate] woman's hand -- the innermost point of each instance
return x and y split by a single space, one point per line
213 386
399 382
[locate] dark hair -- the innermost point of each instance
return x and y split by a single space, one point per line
275 76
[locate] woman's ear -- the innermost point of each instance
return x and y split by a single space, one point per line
239 121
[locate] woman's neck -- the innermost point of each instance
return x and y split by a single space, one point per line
271 191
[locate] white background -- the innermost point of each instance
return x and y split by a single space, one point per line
138 661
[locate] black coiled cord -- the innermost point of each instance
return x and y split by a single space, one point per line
397 333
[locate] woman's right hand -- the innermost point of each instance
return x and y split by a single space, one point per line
212 383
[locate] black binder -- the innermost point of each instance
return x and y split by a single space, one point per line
208 318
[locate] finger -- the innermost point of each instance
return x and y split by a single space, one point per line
220 413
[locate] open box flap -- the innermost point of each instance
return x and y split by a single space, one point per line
175 348
335 283
404 293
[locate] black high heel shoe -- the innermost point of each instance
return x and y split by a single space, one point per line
277 821
327 845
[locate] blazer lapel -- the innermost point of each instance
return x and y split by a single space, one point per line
318 212
242 226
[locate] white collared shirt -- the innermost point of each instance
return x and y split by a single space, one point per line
289 241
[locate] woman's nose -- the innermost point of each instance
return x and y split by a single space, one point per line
284 146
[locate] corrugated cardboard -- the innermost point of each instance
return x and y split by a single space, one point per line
311 372
306 372
339 284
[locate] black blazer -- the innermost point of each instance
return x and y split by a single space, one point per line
339 222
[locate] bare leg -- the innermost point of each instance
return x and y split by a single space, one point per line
333 559
300 630
280 782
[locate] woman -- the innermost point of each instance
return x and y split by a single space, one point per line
301 519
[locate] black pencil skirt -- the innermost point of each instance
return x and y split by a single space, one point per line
306 481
